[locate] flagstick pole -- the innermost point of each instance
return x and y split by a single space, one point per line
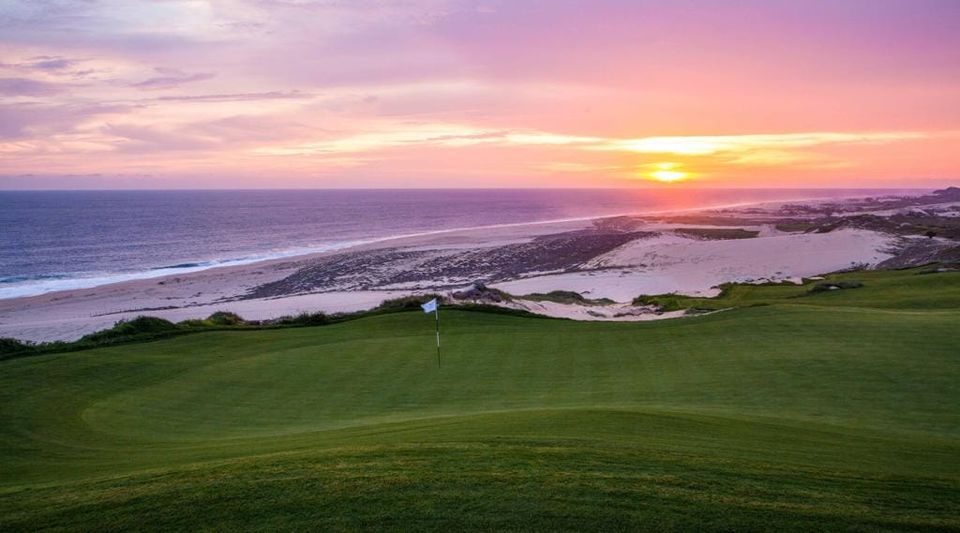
436 311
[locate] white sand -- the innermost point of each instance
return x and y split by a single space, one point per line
675 264
67 323
669 263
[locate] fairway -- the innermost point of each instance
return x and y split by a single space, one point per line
830 411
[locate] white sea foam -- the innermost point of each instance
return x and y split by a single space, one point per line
42 286
46 284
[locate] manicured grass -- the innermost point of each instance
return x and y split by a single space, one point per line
833 411
914 288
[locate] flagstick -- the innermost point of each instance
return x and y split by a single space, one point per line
436 311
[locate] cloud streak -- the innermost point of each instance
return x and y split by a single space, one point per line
237 97
28 87
171 78
520 92
694 145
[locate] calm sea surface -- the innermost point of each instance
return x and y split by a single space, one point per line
54 240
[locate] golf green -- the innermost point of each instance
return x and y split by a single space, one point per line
824 411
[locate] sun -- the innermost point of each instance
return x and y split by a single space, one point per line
667 173
668 176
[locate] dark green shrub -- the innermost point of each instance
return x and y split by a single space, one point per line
718 233
226 318
304 319
835 285
139 326
562 297
407 303
10 346
646 299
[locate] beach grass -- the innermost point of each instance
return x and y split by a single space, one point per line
795 226
718 233
813 411
566 297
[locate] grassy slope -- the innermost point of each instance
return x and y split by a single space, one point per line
836 412
896 289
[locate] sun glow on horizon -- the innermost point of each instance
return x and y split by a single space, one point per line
668 173
668 176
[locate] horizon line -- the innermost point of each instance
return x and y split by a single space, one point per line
653 188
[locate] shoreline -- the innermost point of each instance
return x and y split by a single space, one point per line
293 254
611 257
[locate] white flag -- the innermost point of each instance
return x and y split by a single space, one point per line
430 306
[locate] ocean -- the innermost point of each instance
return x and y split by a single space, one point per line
57 240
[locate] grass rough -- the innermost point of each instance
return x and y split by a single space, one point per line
835 411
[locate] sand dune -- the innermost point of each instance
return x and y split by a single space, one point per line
617 258
671 263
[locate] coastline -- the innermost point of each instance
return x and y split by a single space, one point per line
27 289
617 257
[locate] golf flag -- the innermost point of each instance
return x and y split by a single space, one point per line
434 307
430 307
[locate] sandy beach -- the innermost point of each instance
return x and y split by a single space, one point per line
613 258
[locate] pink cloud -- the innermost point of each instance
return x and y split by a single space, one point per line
372 91
170 78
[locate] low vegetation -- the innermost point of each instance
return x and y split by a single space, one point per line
834 285
139 326
795 227
910 223
303 319
148 328
566 297
10 346
407 303
717 233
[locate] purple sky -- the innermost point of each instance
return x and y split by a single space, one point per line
322 93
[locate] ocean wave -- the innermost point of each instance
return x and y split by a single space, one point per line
25 285
25 278
43 284
181 265
21 286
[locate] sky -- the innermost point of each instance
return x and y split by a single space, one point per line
448 93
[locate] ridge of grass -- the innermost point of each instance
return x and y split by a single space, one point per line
876 288
148 328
